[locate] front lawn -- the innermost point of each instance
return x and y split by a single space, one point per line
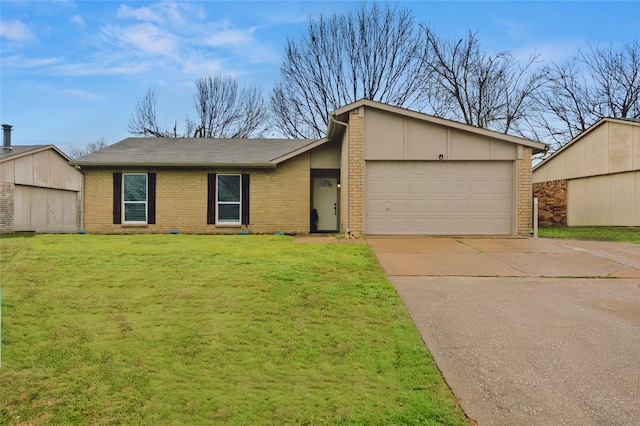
598 233
178 329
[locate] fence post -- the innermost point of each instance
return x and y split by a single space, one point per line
535 217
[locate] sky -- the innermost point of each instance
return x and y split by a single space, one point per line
72 71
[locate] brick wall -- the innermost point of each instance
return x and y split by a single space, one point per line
279 201
356 174
524 194
280 198
6 207
552 202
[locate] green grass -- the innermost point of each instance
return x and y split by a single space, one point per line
178 329
597 233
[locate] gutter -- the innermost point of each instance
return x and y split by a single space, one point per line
330 132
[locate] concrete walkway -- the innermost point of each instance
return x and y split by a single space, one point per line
527 331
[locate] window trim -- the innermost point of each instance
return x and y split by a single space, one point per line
145 202
218 202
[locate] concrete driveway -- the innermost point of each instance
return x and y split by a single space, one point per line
526 331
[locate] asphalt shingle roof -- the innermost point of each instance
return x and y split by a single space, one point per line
17 150
193 152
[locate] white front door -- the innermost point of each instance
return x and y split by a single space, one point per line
325 202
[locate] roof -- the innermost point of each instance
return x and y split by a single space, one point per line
536 146
22 150
629 121
197 152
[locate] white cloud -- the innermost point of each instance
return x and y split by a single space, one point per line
157 13
146 14
557 51
78 20
22 62
229 37
146 38
16 31
83 94
99 68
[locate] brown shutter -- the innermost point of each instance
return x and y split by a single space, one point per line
151 199
117 198
211 199
245 199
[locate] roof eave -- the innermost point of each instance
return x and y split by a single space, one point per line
36 150
299 151
190 165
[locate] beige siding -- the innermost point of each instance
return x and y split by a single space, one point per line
326 156
44 209
394 137
612 147
7 171
609 200
418 134
45 169
344 181
597 152
24 170
636 148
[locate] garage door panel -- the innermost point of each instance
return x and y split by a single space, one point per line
439 198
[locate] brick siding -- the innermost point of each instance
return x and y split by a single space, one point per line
552 202
356 174
524 194
6 207
279 201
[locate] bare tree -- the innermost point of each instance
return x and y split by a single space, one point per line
597 83
227 111
143 121
224 110
374 54
77 152
467 84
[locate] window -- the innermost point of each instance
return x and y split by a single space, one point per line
228 196
137 198
134 197
228 199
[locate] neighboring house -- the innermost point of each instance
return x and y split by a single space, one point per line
380 170
594 180
39 191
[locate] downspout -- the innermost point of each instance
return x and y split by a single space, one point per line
346 127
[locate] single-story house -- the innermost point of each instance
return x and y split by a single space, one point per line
594 180
380 170
39 191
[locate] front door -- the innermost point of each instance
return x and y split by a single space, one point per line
325 204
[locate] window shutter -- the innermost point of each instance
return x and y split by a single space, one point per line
245 199
117 198
211 199
151 199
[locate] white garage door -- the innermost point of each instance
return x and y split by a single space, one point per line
439 198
